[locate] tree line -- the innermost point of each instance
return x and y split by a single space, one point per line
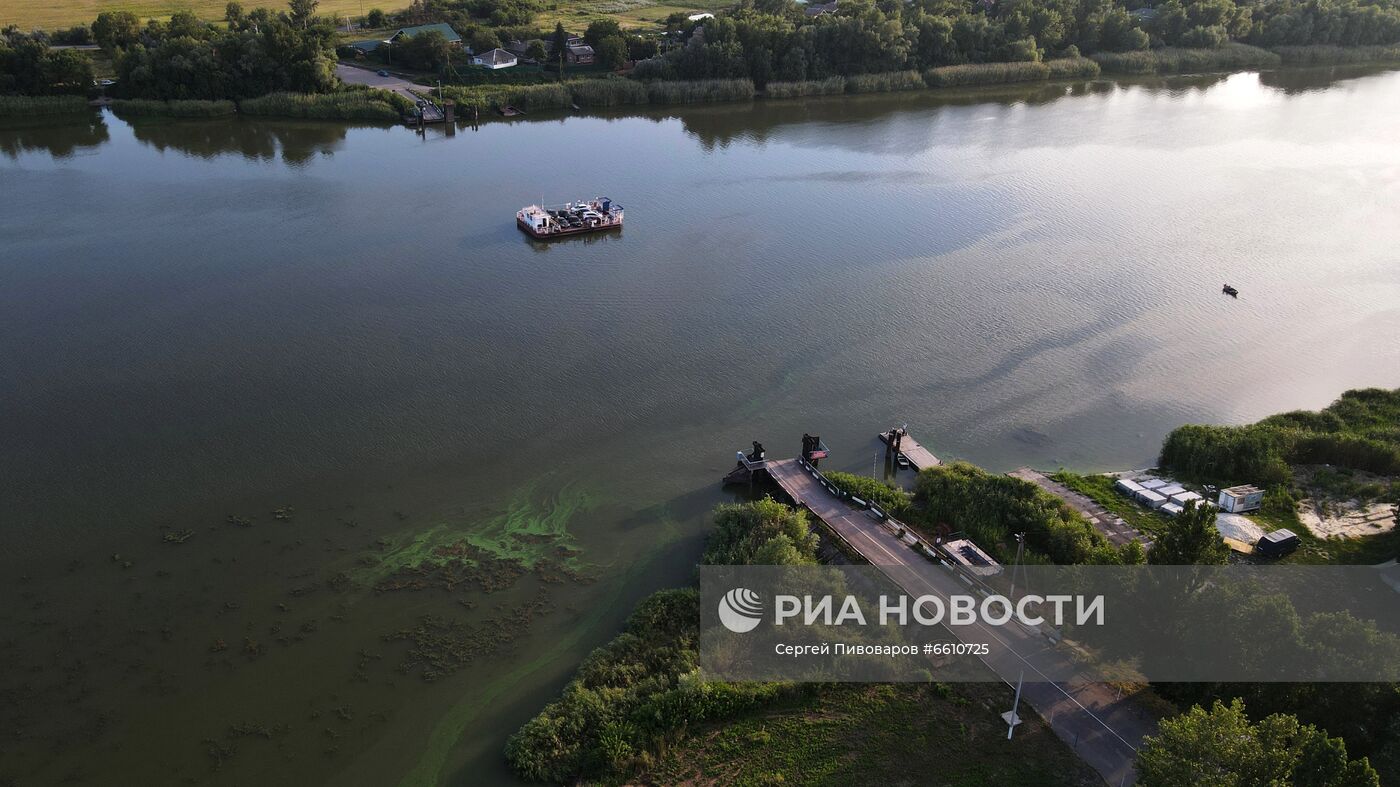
776 40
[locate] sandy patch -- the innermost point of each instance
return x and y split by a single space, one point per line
1348 519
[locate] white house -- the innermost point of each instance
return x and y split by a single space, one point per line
496 58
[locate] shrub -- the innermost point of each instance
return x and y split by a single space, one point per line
178 109
893 500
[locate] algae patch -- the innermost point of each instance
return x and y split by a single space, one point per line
531 534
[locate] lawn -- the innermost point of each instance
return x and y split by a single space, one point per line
934 734
575 14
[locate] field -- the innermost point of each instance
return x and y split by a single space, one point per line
878 734
575 14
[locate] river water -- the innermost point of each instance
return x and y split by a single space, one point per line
204 322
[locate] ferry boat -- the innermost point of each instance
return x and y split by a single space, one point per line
573 218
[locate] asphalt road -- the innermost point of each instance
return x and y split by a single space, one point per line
1103 729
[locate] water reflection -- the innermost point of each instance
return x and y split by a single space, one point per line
297 142
58 139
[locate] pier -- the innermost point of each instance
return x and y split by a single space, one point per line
1102 727
899 442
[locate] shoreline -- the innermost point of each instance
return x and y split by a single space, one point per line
560 99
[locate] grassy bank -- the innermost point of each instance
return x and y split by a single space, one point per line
1320 55
373 105
1099 488
598 93
1007 73
1171 60
876 734
137 107
33 106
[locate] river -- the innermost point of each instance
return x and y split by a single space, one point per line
206 322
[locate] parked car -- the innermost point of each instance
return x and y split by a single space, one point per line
383 73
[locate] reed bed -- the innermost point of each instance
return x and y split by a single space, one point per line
700 91
986 74
140 107
1327 55
1173 60
817 87
375 105
1073 68
31 106
608 92
885 82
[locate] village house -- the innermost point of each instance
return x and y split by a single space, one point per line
495 59
453 39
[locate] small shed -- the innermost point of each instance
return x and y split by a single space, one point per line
1153 483
1151 499
971 557
1238 499
1184 498
1170 490
1171 509
1278 543
1127 486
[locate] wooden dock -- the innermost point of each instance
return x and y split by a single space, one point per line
921 458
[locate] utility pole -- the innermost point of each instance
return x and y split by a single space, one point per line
1011 718
1020 550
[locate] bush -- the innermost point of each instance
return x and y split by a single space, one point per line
1172 60
885 82
893 500
378 105
700 91
178 109
31 106
990 508
823 87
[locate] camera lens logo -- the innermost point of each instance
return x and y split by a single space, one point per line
740 610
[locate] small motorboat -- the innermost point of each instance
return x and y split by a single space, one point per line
1230 291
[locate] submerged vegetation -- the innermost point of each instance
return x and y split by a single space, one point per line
642 691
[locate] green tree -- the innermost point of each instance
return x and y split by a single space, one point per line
1190 539
559 43
535 50
233 14
600 29
427 51
1221 748
376 18
113 30
611 52
303 11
